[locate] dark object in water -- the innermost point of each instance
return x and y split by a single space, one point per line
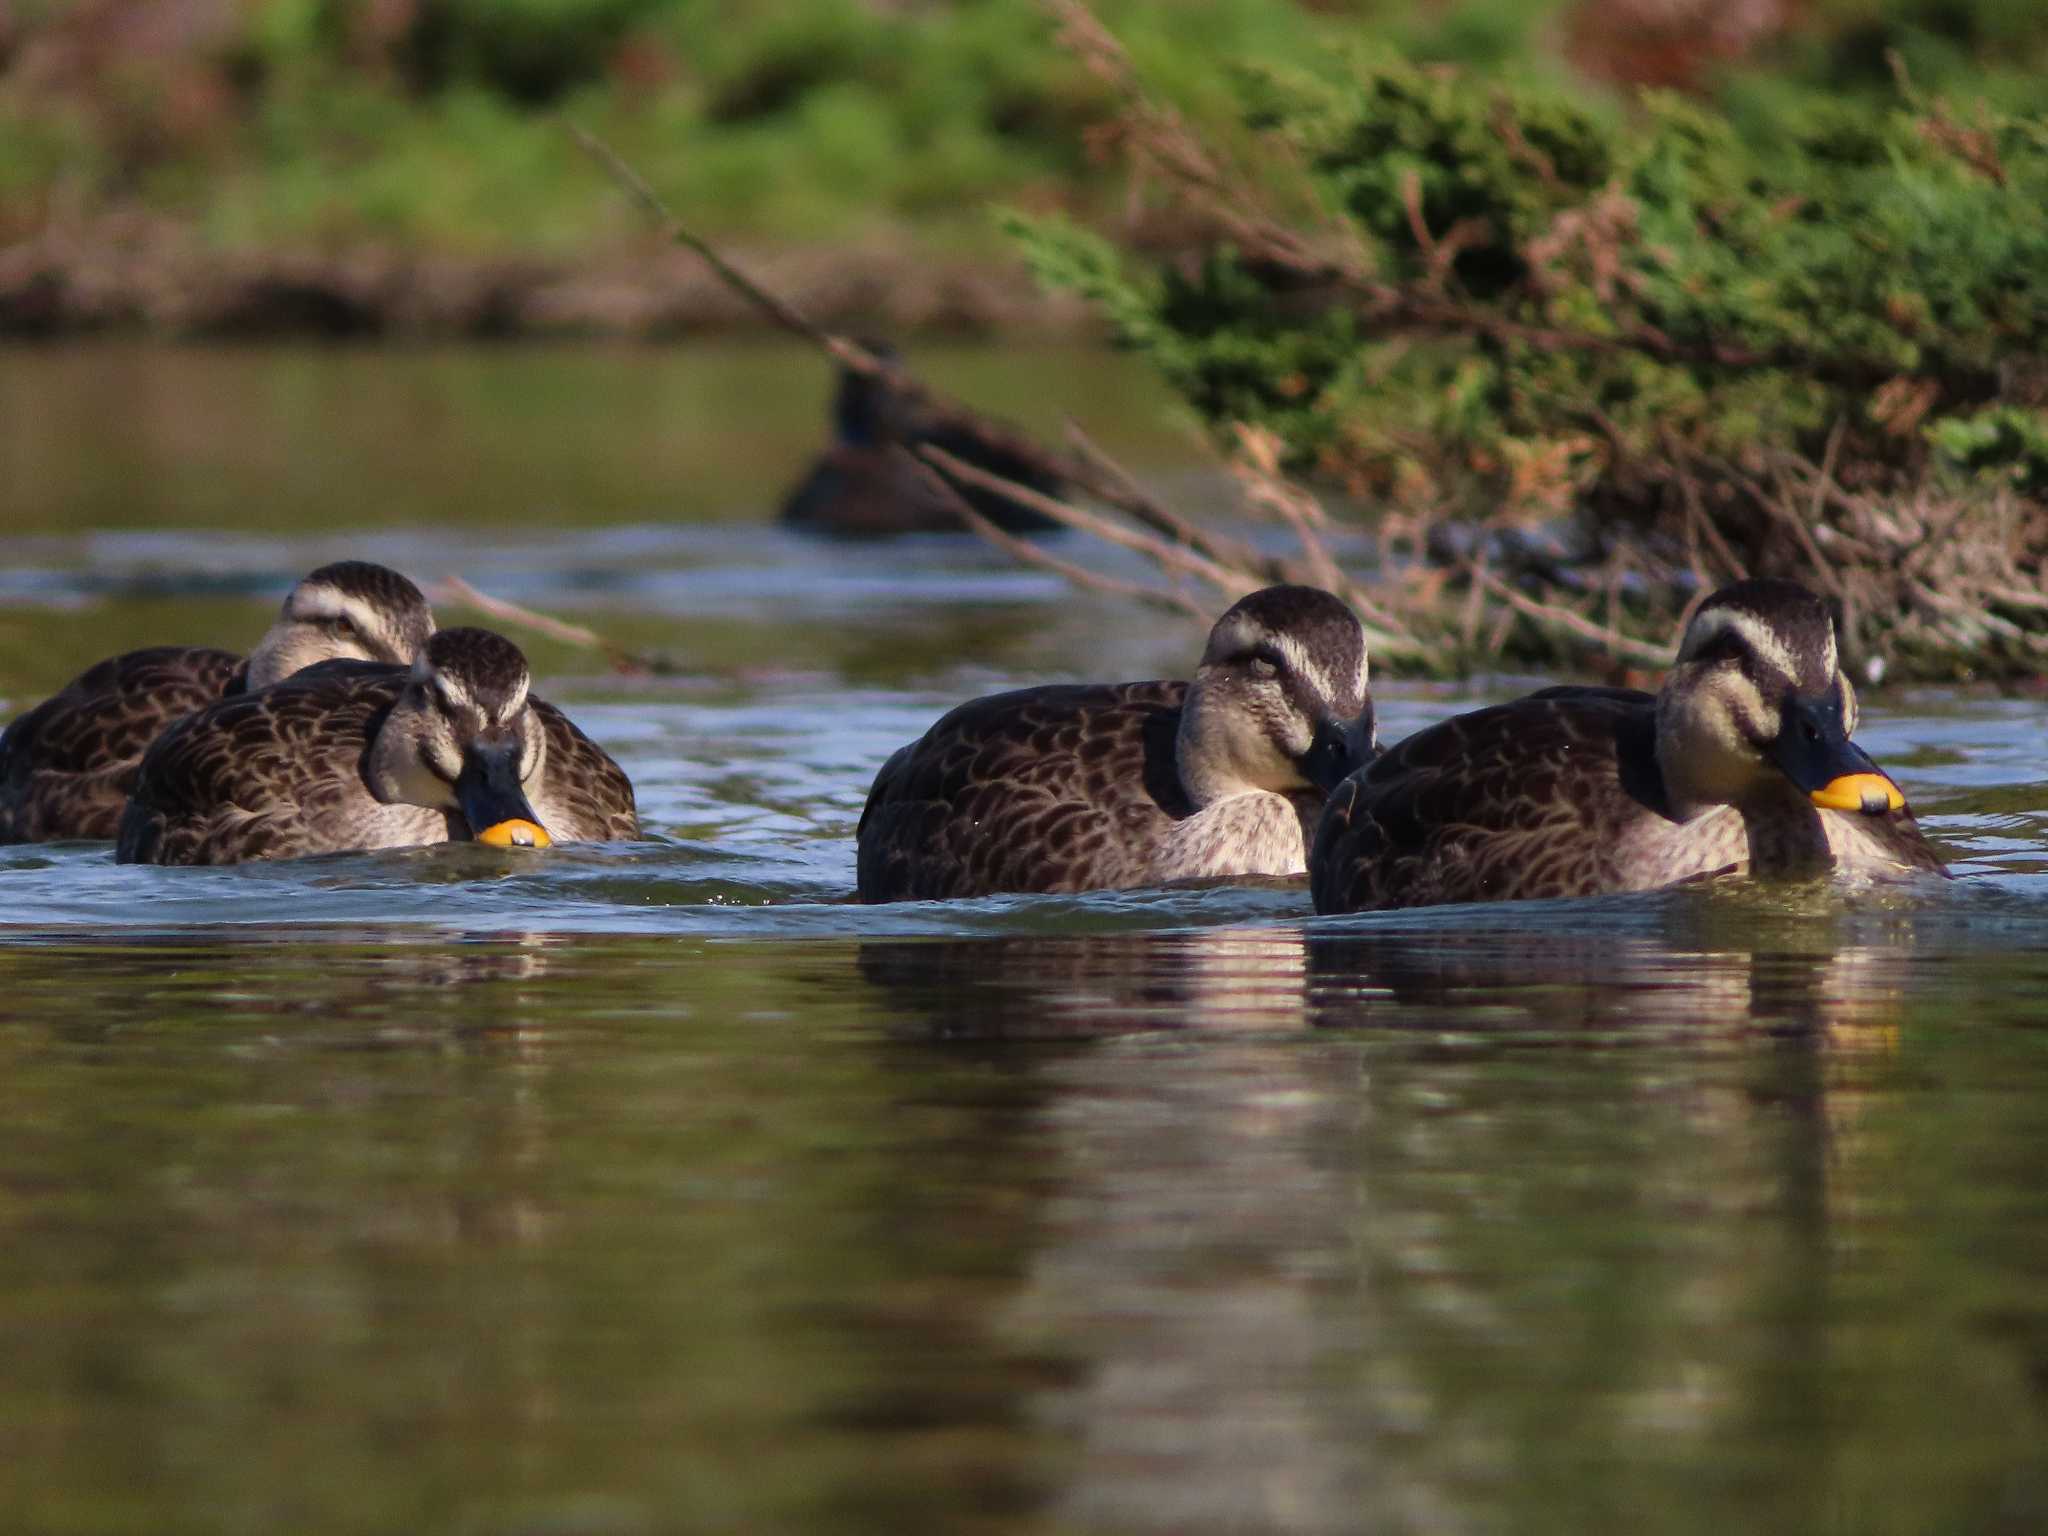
865 485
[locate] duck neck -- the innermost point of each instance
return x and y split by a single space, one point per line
1203 752
1787 839
284 649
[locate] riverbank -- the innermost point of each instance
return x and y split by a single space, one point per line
150 278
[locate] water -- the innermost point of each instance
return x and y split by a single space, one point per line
666 1190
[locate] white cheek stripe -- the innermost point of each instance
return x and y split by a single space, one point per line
515 703
1298 662
1757 637
1746 702
315 602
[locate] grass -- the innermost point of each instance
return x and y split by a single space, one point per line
432 124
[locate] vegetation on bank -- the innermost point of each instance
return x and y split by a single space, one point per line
1588 350
430 124
1589 359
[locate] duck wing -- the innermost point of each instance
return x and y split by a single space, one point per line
1061 788
260 774
67 765
585 796
1523 799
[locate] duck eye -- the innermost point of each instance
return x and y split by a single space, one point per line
1262 663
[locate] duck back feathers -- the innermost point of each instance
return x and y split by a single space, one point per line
67 765
280 773
1079 779
1560 794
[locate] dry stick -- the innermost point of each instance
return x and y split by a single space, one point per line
1258 471
1779 512
455 589
1089 468
1027 553
1392 640
1115 488
1221 548
784 314
1551 615
1233 583
1695 508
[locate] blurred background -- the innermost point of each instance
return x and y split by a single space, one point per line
398 167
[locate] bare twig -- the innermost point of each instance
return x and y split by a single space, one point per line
1258 471
783 313
1167 522
1174 557
1028 553
1559 619
453 589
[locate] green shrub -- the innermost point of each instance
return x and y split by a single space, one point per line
1527 306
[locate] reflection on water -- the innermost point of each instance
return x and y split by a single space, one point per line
665 1188
1248 1227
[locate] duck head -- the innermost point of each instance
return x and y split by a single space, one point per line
351 610
463 737
1280 701
1758 696
875 409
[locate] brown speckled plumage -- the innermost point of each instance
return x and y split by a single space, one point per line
1080 779
279 773
1087 787
67 765
1563 794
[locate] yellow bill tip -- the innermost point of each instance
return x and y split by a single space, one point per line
516 833
1871 793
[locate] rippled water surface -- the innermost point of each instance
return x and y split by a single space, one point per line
663 1189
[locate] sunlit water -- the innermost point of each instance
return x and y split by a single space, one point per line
663 1189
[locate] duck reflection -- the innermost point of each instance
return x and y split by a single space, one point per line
1026 987
1427 1215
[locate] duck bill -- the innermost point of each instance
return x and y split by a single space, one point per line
492 802
1815 753
1338 749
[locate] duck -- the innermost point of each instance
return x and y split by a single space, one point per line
67 765
1079 787
867 484
1741 763
351 755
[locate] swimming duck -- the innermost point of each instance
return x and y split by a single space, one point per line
864 485
1099 786
354 755
67 765
1742 761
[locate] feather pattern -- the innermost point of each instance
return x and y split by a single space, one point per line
1062 788
1561 794
66 766
279 773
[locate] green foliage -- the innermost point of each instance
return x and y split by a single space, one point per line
1733 292
1633 347
2006 442
530 51
433 122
